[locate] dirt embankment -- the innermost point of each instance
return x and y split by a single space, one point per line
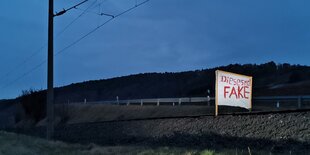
272 132
82 113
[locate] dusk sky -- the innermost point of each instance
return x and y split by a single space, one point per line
159 36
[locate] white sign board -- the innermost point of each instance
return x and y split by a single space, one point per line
233 90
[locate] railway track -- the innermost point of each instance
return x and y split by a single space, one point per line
204 115
226 132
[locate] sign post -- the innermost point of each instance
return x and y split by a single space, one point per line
233 90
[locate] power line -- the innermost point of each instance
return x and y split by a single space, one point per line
92 12
22 63
65 10
75 42
73 7
45 45
74 20
102 1
92 31
25 74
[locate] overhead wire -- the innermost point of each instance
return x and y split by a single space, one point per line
100 13
91 12
25 74
75 19
98 27
45 45
22 63
65 10
75 42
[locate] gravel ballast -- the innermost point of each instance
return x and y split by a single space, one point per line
274 132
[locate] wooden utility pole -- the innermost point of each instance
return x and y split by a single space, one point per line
50 73
50 67
50 61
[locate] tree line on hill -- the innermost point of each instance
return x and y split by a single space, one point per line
185 84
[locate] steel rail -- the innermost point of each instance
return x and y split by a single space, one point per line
199 116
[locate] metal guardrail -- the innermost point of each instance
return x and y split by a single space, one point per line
174 101
307 97
180 101
280 100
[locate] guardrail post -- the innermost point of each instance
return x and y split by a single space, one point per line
128 103
278 104
299 101
173 104
67 107
180 101
117 100
208 100
141 102
157 102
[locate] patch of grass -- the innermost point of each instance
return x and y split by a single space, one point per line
15 144
207 152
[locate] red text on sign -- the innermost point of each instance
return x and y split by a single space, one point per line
236 92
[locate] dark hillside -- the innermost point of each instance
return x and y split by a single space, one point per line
268 79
